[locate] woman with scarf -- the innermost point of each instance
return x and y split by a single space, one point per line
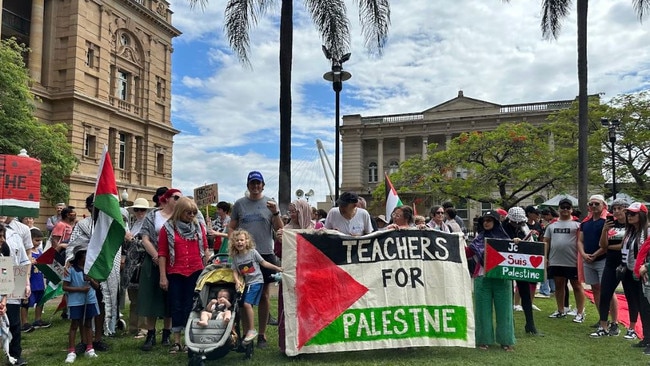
182 244
152 302
489 292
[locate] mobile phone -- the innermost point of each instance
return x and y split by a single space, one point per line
610 218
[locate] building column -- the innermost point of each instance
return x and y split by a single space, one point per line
402 149
0 17
425 145
447 140
36 40
380 159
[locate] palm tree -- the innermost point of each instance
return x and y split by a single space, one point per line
553 11
330 18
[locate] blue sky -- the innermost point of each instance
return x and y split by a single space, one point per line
228 113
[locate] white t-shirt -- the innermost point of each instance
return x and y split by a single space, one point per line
24 232
563 249
358 225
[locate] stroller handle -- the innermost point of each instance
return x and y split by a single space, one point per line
222 257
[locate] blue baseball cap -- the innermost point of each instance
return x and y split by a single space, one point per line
255 175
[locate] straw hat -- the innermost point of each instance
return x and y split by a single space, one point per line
139 203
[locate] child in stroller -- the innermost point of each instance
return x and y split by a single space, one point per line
218 308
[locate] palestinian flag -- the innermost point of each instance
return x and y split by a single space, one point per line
108 229
392 199
524 261
20 191
52 291
49 266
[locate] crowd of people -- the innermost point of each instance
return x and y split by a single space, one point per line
167 246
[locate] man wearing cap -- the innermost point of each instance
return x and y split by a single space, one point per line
347 218
593 256
560 238
260 216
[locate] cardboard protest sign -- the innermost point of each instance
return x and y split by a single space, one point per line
524 261
6 275
206 195
21 274
20 186
388 289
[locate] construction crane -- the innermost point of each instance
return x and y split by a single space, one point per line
329 173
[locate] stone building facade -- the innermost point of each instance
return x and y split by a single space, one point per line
373 145
104 69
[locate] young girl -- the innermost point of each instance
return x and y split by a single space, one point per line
82 304
246 262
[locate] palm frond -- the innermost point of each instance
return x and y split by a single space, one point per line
239 17
374 16
202 3
332 23
553 11
641 7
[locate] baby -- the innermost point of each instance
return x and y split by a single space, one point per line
219 308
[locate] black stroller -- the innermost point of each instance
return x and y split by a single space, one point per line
218 338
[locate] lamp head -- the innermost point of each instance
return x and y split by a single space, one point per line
124 195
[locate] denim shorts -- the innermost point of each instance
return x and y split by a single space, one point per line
253 294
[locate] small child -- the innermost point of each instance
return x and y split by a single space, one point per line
37 282
246 262
218 308
82 304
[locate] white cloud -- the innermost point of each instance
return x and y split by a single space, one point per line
491 50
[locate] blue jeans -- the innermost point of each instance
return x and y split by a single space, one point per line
180 297
546 286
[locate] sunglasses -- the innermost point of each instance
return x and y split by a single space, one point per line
139 209
191 212
439 212
565 207
631 213
176 198
593 204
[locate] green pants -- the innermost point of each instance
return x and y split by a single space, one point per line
497 292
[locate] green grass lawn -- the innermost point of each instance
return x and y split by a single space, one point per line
565 343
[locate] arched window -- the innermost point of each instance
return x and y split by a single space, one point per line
393 166
372 173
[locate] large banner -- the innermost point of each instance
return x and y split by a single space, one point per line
523 261
385 290
20 186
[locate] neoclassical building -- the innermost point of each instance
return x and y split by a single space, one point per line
373 145
103 68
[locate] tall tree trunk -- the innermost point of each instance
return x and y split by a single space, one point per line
286 55
583 106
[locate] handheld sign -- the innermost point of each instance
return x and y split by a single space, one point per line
6 275
389 289
20 186
206 195
524 261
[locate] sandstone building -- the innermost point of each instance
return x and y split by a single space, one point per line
103 68
373 145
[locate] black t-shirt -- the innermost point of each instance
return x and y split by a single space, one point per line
615 236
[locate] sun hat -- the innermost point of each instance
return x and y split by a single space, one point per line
382 218
597 197
139 203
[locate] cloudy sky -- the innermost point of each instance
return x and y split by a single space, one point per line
228 114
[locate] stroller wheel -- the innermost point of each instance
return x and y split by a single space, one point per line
121 324
250 348
196 360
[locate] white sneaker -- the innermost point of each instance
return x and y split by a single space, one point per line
536 308
90 353
71 357
571 312
579 318
518 308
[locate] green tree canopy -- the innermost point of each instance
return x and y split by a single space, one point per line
21 130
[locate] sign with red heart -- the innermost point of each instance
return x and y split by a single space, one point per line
523 261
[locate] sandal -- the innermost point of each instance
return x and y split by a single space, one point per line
175 348
507 348
483 347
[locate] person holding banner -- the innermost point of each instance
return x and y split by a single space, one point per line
491 293
347 218
402 218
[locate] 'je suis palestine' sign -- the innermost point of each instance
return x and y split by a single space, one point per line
523 261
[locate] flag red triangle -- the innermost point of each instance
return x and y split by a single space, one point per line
323 290
47 257
106 177
492 258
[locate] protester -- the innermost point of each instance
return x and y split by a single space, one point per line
182 247
60 235
220 227
260 216
381 221
37 283
641 267
437 221
450 220
515 226
152 300
320 219
82 304
402 218
246 263
561 238
610 239
589 249
52 220
134 256
347 218
491 293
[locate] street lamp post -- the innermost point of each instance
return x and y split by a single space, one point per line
125 197
612 125
337 76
